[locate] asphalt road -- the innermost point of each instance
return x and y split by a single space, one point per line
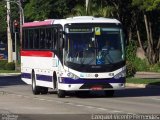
17 100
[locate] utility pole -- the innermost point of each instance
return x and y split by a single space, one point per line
10 53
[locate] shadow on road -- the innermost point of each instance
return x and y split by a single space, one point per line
11 80
138 92
128 92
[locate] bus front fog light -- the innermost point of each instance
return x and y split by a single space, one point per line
121 85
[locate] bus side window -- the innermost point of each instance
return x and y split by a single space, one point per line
36 38
52 38
25 42
30 39
48 38
23 39
42 38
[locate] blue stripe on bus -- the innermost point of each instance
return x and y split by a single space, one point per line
38 77
82 81
44 77
26 75
72 81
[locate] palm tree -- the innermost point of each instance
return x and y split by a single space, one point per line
92 9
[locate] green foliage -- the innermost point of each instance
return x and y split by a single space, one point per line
61 8
131 70
141 65
46 9
3 23
131 51
37 9
2 64
79 10
147 5
94 9
143 81
10 66
155 67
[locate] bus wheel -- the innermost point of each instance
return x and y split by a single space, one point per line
61 93
35 89
44 90
109 93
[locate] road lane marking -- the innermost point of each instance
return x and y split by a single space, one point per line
102 109
49 100
79 105
156 99
42 99
68 103
117 111
90 107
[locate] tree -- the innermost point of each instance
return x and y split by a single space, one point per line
151 15
93 9
3 24
37 9
48 9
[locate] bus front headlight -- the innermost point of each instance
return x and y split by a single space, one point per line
121 74
73 76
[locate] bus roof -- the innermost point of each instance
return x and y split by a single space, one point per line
38 23
78 19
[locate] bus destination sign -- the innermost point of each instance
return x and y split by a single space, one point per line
80 30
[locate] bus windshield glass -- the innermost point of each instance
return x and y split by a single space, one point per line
94 45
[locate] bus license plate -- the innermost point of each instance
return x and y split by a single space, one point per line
96 88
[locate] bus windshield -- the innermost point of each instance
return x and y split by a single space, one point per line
94 46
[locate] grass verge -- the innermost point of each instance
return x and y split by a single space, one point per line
9 71
143 81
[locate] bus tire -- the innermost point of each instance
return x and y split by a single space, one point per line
44 90
35 89
109 93
61 93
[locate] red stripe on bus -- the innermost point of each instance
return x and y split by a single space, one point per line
37 53
39 23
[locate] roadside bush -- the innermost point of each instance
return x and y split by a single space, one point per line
155 67
10 66
2 64
130 57
131 70
131 51
141 65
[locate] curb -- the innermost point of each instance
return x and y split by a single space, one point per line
9 74
152 75
141 85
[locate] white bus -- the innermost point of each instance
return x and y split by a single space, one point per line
70 55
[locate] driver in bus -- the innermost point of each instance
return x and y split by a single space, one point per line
107 46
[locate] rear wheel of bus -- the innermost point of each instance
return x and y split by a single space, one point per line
37 89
